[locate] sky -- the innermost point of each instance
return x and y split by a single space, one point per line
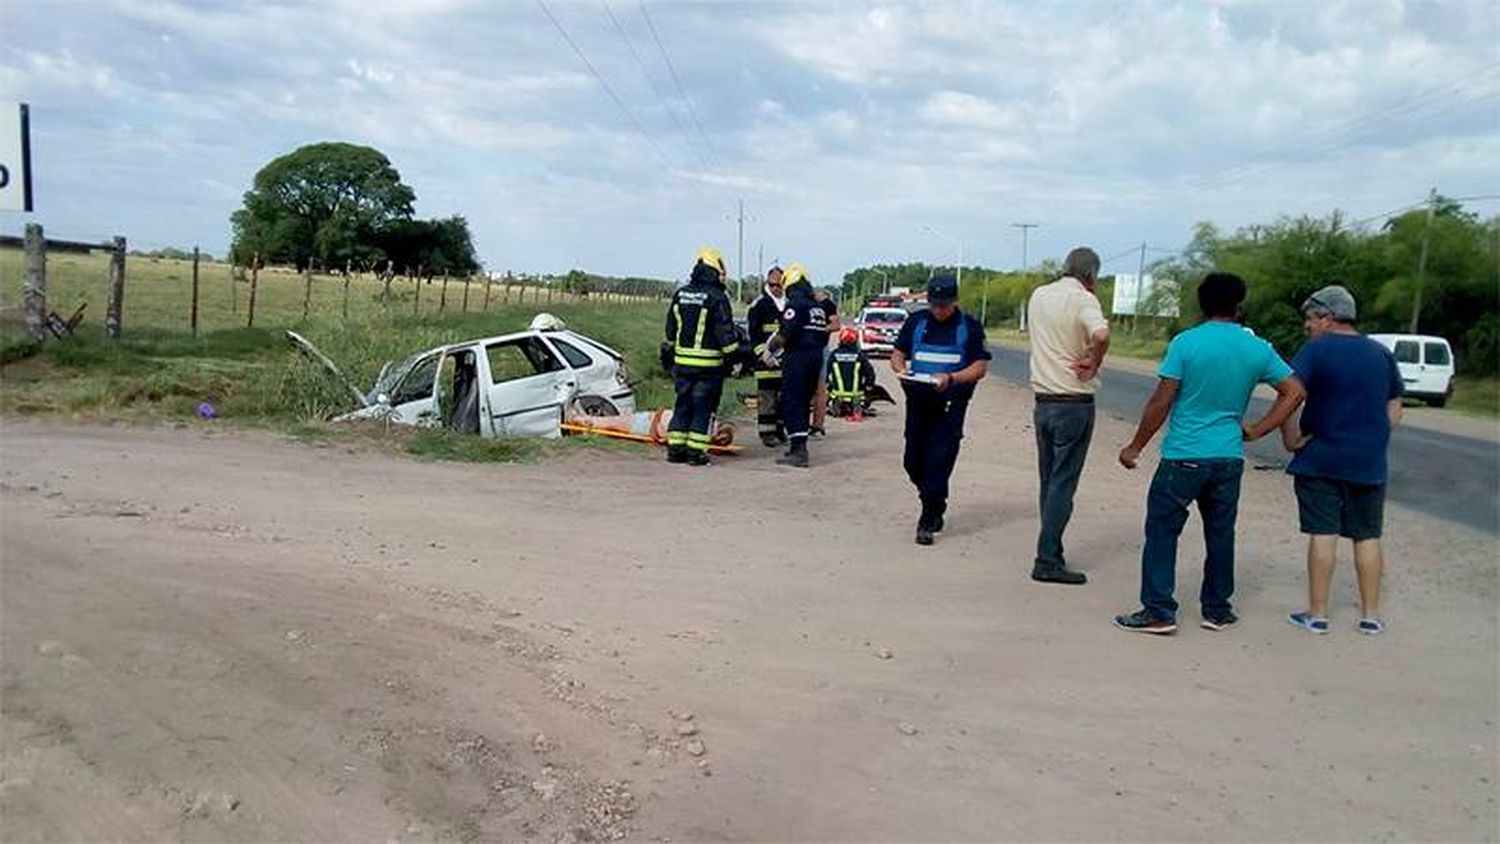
619 136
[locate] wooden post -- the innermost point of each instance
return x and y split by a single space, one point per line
254 284
113 315
549 294
306 291
487 281
385 278
195 292
466 294
234 291
443 295
34 287
347 265
416 305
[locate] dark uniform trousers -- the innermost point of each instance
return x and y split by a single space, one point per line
801 370
698 392
934 428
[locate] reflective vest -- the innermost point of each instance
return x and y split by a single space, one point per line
846 372
930 358
694 344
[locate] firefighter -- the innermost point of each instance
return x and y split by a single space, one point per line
946 355
765 320
801 338
849 376
700 328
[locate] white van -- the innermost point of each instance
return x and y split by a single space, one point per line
1426 365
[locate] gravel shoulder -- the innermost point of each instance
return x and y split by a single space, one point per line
223 635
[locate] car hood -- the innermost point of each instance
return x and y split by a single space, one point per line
312 352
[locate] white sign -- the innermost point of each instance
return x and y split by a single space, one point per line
1143 295
15 157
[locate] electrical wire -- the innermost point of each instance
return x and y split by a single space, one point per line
692 112
660 95
606 86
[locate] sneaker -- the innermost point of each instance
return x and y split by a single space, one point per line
1371 626
1141 621
1309 622
1219 621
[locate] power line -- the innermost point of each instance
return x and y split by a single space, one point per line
666 106
692 112
605 85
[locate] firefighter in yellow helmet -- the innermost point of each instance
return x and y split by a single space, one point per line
803 336
700 329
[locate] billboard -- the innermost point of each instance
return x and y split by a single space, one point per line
1143 295
15 157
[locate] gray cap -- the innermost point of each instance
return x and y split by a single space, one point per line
1334 300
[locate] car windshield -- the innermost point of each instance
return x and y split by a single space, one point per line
885 316
392 374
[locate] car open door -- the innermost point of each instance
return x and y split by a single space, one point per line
528 387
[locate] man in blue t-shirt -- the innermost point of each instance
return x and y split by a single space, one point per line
1339 468
1206 381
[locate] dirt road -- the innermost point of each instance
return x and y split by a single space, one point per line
222 636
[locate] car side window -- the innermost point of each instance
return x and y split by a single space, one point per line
572 354
1407 351
418 383
1436 354
521 358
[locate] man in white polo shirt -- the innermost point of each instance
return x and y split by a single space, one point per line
1069 337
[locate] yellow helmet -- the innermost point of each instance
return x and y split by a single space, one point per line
713 258
794 274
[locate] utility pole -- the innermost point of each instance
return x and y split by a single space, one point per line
1140 278
1025 264
740 266
760 262
1416 307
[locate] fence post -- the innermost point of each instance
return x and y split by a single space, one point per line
34 288
254 283
195 291
466 294
234 292
113 315
347 264
385 277
306 291
549 294
487 281
443 295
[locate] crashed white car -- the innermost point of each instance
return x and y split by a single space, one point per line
516 385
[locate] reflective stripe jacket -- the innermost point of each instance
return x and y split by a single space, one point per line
700 327
849 373
765 320
930 358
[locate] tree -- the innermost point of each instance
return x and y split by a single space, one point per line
320 204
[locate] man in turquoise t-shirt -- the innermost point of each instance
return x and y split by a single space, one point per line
1206 381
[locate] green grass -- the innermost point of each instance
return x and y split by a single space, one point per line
1476 395
252 376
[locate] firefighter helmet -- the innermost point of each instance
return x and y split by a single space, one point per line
713 258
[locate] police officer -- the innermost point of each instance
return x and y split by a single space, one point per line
700 328
849 375
765 320
940 355
802 337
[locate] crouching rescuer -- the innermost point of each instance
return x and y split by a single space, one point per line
940 355
850 375
700 330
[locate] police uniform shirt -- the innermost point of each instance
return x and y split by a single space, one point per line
942 333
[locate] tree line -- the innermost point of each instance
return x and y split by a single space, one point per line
330 206
1432 270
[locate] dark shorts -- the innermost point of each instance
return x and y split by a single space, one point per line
1329 507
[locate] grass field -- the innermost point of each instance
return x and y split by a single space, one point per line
158 370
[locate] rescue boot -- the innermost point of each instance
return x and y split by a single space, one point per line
796 454
1057 573
677 454
697 458
770 440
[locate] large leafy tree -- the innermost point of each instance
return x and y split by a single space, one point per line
321 204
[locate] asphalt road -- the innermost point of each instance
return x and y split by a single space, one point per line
1443 475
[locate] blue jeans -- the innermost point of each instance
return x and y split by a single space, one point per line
1214 483
1063 431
